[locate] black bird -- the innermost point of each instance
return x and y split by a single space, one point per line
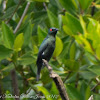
46 49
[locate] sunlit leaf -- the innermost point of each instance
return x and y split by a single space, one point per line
59 47
45 92
72 24
18 42
98 51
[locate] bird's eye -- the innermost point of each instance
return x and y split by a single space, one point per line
50 29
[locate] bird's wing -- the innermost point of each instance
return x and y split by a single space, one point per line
42 48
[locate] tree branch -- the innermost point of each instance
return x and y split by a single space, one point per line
91 97
22 17
14 83
59 83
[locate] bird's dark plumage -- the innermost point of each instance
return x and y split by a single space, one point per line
46 49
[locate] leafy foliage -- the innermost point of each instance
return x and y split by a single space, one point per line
76 55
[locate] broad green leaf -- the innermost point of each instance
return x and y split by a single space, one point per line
73 94
45 92
58 48
88 75
87 93
69 5
93 32
8 68
72 51
83 25
72 64
53 19
8 36
72 24
26 59
54 89
5 52
98 52
95 69
83 41
18 42
41 35
27 34
9 12
85 3
38 0
45 76
85 90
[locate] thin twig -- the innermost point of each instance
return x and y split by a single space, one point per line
14 12
22 17
96 84
59 83
67 77
44 5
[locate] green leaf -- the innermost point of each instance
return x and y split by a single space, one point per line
54 89
18 42
72 51
97 16
98 52
5 52
45 92
8 36
26 59
72 64
9 97
85 3
69 5
8 68
59 47
27 34
72 24
53 19
41 35
73 94
95 69
9 12
88 75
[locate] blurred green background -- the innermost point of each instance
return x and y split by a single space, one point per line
76 58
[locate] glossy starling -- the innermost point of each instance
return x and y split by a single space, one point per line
46 49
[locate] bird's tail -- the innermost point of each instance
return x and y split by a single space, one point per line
39 66
38 75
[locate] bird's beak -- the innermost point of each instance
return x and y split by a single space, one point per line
57 29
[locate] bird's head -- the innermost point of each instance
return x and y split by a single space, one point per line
52 31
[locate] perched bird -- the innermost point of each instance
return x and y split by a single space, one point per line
46 49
